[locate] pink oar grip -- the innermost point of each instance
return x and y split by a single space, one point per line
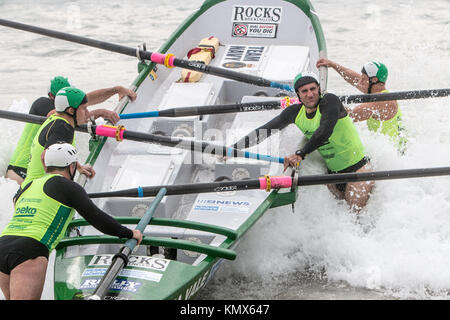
284 104
158 57
276 182
106 131
161 59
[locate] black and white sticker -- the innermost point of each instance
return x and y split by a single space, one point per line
255 21
243 57
255 30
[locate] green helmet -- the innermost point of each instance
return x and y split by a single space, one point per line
57 83
304 78
69 97
375 69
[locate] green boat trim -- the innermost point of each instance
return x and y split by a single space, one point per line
155 241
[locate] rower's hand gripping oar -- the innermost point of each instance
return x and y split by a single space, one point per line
120 260
168 60
283 103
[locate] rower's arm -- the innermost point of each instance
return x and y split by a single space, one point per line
383 110
286 117
73 195
352 77
347 74
101 95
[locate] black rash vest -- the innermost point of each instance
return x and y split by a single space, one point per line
73 195
42 106
331 109
56 131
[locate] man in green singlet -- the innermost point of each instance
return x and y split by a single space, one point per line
328 129
70 110
44 106
382 116
42 213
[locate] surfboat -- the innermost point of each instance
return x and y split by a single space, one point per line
190 235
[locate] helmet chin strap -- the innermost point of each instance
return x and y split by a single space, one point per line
74 115
72 176
369 90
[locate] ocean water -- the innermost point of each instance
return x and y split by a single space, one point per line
397 249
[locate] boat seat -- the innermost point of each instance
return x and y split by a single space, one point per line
244 123
285 62
135 172
274 62
183 95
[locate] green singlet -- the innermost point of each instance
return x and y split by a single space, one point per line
392 128
344 147
35 168
39 216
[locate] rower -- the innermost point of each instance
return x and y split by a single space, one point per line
42 213
328 129
71 110
382 116
44 107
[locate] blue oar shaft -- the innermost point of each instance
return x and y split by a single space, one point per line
281 86
131 243
137 115
250 155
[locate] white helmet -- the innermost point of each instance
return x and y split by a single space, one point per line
376 69
60 155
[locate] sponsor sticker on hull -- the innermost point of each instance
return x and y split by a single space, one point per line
225 206
117 285
255 30
125 273
255 21
146 262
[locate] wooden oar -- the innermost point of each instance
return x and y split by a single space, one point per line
268 183
120 133
120 260
167 60
284 102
